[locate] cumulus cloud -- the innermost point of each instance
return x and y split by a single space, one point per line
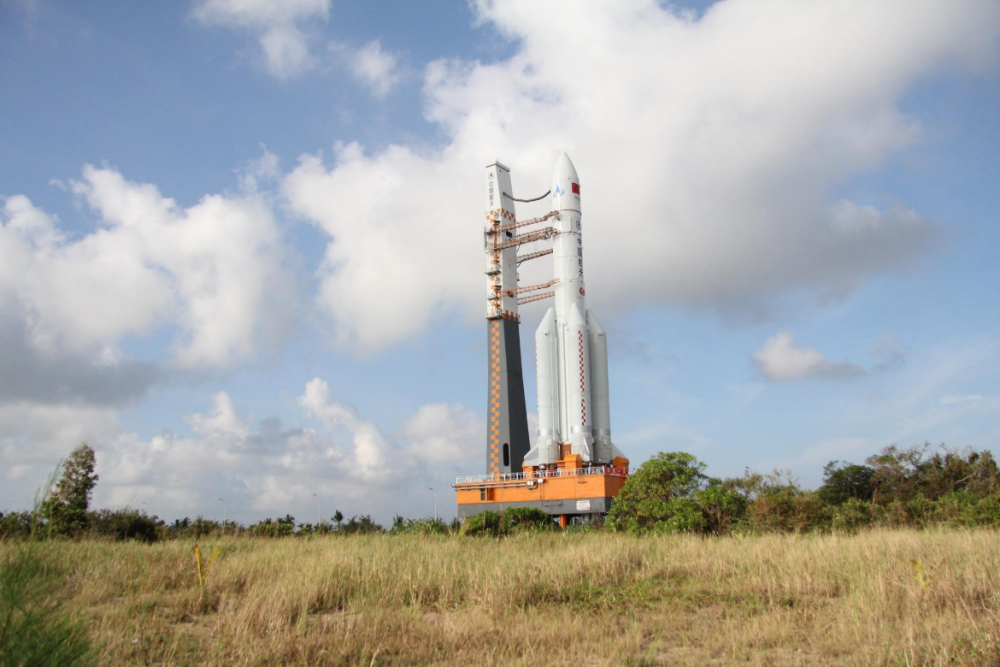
374 68
35 436
260 468
442 433
268 469
708 147
214 270
259 173
280 26
780 360
100 377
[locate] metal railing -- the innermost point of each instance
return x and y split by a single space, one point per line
542 474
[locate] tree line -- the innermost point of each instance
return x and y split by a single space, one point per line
669 493
897 487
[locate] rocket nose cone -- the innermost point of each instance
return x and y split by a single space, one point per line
565 169
565 185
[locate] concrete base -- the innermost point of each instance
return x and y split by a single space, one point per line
569 506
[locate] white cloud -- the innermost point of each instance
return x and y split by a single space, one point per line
708 150
281 27
215 270
375 455
261 468
375 68
442 433
223 419
33 433
270 469
780 360
260 171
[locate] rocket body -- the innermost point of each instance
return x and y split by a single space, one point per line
571 349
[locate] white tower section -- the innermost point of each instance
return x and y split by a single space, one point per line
570 345
501 264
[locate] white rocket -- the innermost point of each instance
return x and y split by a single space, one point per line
571 348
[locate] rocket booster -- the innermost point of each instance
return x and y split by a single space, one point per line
571 348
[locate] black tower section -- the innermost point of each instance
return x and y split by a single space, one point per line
507 425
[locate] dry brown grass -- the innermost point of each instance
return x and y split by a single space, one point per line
596 599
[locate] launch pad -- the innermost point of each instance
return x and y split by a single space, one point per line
574 469
570 490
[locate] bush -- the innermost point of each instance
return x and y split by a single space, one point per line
843 481
15 525
268 528
484 524
125 523
361 526
647 499
682 515
919 509
986 512
202 527
521 519
720 509
784 507
851 515
957 507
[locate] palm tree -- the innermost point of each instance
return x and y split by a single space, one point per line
338 516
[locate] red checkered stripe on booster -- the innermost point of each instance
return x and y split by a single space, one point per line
583 382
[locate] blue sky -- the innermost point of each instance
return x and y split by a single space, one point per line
240 253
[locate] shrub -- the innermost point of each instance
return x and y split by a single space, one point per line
919 509
720 508
269 528
484 524
419 526
851 515
681 515
986 511
518 519
202 527
15 524
780 505
125 523
957 507
645 500
843 481
360 526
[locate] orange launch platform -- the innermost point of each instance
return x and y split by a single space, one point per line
569 489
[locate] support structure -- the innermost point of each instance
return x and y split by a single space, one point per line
507 418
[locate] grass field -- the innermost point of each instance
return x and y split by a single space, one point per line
885 597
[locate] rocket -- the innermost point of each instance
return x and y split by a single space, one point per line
571 348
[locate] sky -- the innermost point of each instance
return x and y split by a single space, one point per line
240 240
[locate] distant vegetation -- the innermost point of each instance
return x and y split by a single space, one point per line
911 487
669 493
